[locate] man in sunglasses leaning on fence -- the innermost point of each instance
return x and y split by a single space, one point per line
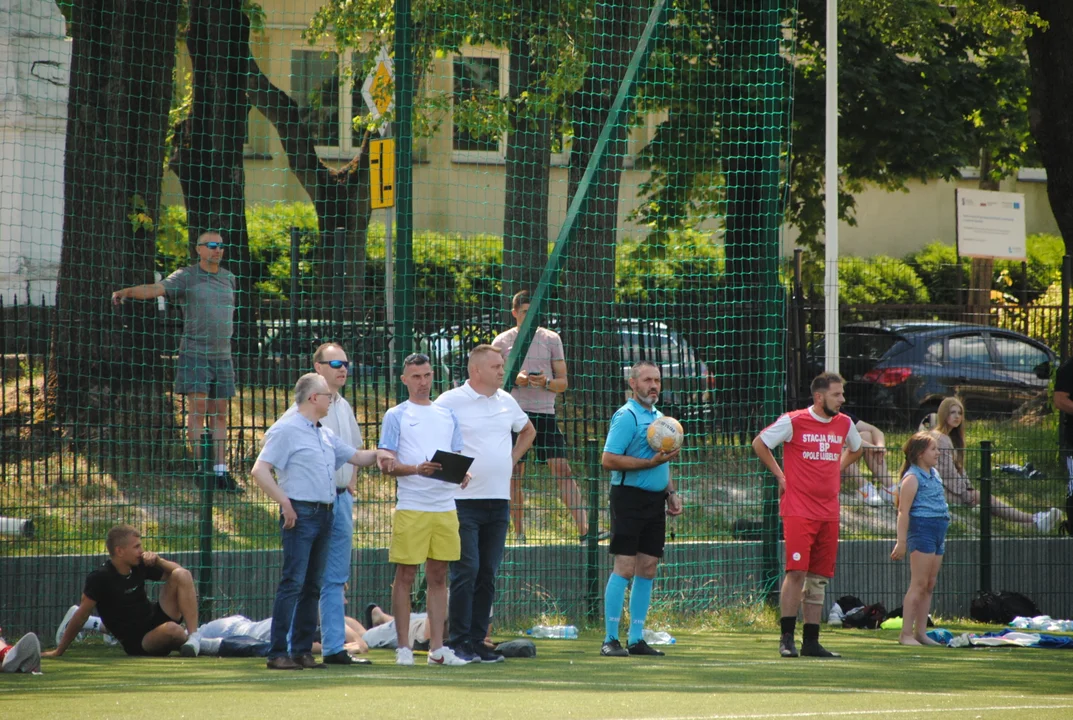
204 372
330 362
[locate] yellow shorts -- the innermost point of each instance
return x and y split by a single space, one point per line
417 536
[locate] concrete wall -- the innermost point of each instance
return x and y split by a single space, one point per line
36 591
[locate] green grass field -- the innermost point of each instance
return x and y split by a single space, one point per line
715 674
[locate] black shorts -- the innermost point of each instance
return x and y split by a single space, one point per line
549 442
131 638
638 521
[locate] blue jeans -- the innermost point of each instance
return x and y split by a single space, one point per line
305 551
336 574
482 527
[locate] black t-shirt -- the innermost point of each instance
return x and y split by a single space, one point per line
121 600
1063 382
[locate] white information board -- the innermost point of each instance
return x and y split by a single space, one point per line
991 224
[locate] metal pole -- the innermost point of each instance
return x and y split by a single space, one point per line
204 569
389 283
404 178
592 557
1067 278
830 271
296 237
985 515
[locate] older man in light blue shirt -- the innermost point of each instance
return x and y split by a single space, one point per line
308 454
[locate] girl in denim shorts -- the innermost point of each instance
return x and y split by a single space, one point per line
922 520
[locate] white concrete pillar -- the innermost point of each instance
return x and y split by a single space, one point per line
35 64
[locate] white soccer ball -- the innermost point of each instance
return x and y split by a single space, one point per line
665 434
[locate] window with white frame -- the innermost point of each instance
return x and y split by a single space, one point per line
329 99
477 79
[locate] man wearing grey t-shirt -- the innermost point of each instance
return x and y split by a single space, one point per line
204 372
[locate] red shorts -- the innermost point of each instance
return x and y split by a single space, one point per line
811 545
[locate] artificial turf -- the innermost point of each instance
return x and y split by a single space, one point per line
714 674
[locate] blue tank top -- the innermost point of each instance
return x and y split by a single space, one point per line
930 500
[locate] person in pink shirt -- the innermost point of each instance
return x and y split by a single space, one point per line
812 441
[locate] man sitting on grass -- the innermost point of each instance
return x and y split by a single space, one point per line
117 591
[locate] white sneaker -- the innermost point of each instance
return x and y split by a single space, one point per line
65 622
445 656
404 656
1047 520
191 647
871 496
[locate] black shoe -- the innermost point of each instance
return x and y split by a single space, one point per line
786 645
642 648
344 658
368 617
422 645
613 648
225 483
283 663
812 648
310 663
486 654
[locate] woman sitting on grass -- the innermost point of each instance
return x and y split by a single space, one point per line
923 517
950 434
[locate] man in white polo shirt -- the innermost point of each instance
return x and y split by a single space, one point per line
330 362
487 416
425 526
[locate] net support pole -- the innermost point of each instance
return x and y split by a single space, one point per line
1067 279
204 564
985 515
592 557
559 254
403 333
830 270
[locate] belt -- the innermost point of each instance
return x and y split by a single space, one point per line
341 490
328 505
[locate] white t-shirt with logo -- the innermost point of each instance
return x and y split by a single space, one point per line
414 433
486 426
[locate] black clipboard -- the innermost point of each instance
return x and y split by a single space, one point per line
453 466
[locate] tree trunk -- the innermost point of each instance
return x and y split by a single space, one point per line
752 216
590 278
105 376
525 208
1051 97
341 197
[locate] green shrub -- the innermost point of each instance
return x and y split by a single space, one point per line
936 266
879 280
661 272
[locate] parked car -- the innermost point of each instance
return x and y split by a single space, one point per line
897 372
686 380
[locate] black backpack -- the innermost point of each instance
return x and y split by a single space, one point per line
868 617
1002 607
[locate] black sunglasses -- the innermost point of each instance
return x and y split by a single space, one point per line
212 245
335 364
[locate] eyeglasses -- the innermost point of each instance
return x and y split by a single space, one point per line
335 364
211 245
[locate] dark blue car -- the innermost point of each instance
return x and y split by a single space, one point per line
897 372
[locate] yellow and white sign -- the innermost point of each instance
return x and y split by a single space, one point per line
378 90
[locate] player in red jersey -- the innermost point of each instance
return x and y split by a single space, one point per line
812 441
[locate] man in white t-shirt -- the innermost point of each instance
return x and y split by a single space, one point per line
425 526
330 362
487 416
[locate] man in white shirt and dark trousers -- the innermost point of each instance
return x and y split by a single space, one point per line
308 455
330 362
424 528
487 416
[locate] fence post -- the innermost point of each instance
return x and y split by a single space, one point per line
1067 278
204 569
592 557
296 238
985 515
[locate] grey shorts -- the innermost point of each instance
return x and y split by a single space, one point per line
209 376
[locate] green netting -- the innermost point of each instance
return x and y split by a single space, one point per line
625 162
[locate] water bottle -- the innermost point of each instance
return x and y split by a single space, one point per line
657 638
562 632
